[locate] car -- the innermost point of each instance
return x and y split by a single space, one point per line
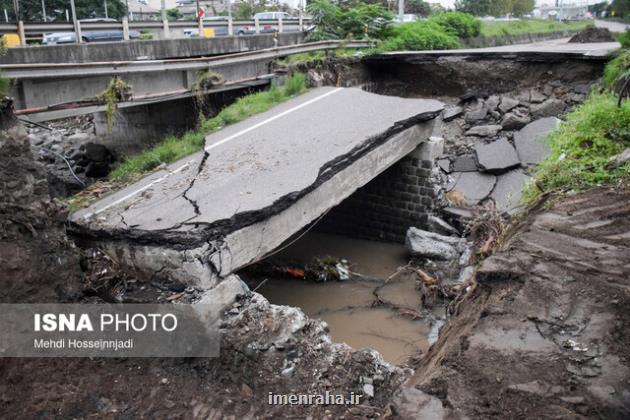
97 20
55 38
272 16
265 28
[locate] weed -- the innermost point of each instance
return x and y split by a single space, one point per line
116 91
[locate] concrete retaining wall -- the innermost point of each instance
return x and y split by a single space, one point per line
402 196
145 50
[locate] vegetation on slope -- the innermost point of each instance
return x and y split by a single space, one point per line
531 26
174 148
583 145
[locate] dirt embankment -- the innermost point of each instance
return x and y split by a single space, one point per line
37 261
545 332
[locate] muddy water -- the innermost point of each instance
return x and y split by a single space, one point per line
349 307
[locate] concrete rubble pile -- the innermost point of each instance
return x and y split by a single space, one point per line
71 153
492 143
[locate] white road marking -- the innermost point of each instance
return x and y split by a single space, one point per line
210 147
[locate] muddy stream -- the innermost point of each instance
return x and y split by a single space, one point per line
366 311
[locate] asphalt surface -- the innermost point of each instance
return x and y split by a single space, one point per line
253 163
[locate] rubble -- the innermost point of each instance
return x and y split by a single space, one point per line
530 141
497 156
421 243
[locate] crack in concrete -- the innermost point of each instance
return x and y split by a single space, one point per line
192 184
215 230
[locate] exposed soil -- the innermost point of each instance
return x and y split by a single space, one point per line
543 333
593 34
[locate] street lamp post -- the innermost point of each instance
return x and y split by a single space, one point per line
44 11
75 22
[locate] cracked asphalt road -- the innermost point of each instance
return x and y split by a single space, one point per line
250 165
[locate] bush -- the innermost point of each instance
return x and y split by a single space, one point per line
333 21
420 36
615 69
624 39
461 24
582 146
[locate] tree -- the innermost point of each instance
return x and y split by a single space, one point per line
496 7
620 7
31 10
418 7
174 14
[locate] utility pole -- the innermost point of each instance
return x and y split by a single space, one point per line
75 22
401 9
44 11
104 7
163 7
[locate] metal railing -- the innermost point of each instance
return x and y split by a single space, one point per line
162 29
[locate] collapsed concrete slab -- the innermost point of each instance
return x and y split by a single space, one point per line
530 140
508 190
474 185
256 183
497 156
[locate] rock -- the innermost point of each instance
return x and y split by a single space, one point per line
530 140
445 165
492 102
497 156
97 152
79 138
476 115
514 121
474 185
97 169
508 190
536 97
577 97
451 113
438 225
549 108
421 243
621 158
464 163
368 389
582 89
484 130
508 104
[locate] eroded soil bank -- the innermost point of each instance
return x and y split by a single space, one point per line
544 332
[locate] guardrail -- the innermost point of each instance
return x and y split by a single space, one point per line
50 90
161 29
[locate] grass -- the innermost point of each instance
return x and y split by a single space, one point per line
174 148
532 26
581 148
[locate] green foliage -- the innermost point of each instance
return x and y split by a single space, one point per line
495 7
464 25
116 91
582 146
31 10
422 35
146 36
615 69
418 7
621 8
5 84
173 148
624 39
334 21
530 26
174 14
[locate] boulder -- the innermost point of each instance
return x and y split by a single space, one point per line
484 130
514 121
492 102
508 190
421 243
508 104
97 153
536 97
549 108
476 115
452 112
475 186
497 156
530 140
464 163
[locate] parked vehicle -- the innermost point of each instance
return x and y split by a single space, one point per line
88 36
